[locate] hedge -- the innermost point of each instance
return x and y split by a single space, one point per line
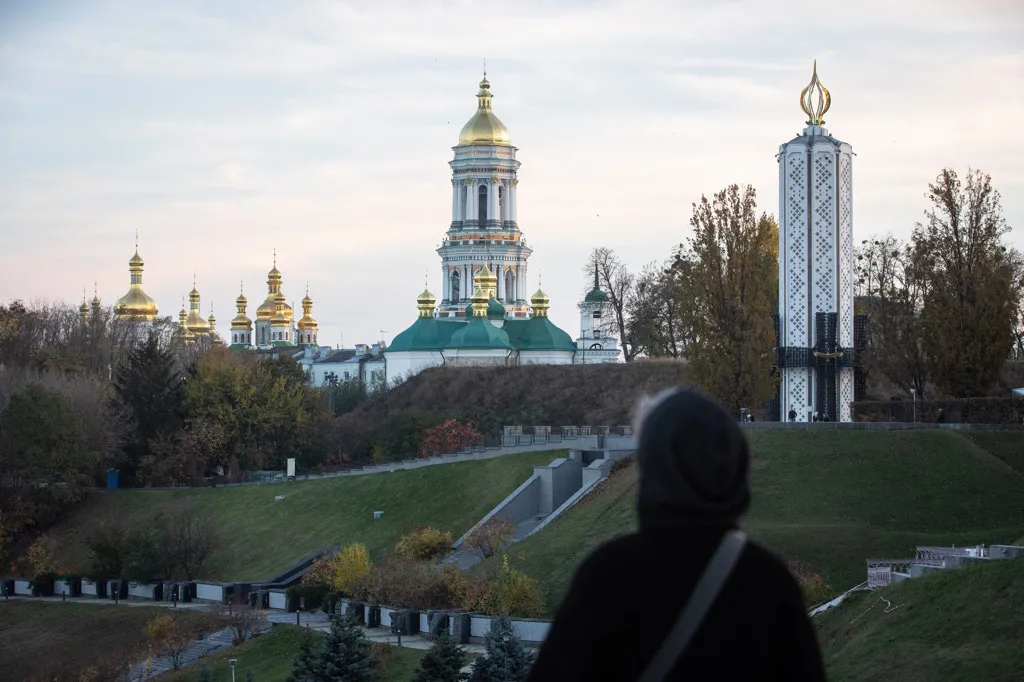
964 410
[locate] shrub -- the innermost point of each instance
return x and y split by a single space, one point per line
340 571
512 593
491 536
424 544
413 584
443 662
400 435
450 436
506 658
813 586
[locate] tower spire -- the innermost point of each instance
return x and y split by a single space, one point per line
815 99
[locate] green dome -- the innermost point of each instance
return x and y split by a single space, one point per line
479 333
495 310
595 295
422 334
538 333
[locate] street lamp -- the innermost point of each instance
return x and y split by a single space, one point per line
505 637
231 662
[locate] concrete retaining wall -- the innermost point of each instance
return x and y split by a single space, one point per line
142 590
22 587
521 504
277 599
558 481
210 592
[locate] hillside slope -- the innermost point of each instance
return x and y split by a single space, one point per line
259 536
828 499
552 395
956 625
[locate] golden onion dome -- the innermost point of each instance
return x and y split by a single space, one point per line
281 316
540 298
136 260
136 304
484 128
425 303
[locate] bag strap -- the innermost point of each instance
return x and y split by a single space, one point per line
711 581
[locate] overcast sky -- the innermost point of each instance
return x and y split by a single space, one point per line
224 130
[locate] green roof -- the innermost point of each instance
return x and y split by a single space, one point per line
278 344
426 333
595 295
537 333
479 333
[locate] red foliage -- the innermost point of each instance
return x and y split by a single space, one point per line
449 437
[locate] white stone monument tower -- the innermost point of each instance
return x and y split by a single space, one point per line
816 316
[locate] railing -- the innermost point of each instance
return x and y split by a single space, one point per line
880 571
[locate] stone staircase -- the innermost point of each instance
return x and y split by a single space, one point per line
200 648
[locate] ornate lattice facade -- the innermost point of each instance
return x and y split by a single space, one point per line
816 354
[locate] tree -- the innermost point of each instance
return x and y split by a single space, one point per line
151 389
193 537
443 662
618 283
661 317
185 456
733 279
306 664
506 659
245 622
971 301
491 535
169 636
345 654
891 282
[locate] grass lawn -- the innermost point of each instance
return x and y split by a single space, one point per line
956 625
830 499
1006 445
259 536
269 659
38 638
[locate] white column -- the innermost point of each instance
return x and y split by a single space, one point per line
492 196
455 201
513 191
470 202
500 294
465 283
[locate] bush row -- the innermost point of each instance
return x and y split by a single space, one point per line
963 410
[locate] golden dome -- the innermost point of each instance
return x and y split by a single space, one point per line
136 303
307 323
540 303
425 303
484 128
281 317
195 323
486 280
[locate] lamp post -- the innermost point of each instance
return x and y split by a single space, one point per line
913 396
505 637
231 662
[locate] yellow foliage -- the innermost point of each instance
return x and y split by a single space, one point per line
159 628
512 593
348 565
423 544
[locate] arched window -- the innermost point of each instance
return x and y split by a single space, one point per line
456 286
481 204
510 287
595 346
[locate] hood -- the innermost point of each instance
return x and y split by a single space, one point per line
693 461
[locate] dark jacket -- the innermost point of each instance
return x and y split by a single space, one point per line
628 594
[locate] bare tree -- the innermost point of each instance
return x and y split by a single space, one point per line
618 284
244 621
195 537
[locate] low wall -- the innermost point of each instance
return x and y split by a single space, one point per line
1005 551
277 600
213 592
145 590
22 587
92 589
521 504
558 481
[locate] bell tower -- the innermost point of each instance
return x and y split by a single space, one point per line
484 229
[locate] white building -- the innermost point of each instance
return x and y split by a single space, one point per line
816 315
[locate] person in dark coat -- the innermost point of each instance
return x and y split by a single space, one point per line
627 595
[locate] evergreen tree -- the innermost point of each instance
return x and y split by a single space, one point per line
345 656
151 389
305 665
205 675
506 660
443 662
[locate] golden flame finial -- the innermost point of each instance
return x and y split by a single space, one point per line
815 99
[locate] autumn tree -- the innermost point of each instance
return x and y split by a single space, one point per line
970 303
891 283
734 276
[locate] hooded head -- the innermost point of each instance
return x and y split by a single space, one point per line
693 462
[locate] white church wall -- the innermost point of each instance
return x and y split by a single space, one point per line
409 363
546 357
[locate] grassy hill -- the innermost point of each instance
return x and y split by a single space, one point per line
956 625
39 639
259 536
828 499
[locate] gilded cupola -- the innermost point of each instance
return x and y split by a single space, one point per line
486 280
307 323
268 308
484 128
195 322
241 320
540 303
136 304
83 310
425 303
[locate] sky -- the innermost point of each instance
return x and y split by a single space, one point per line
223 130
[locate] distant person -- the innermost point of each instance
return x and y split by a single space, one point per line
792 415
814 418
940 418
619 621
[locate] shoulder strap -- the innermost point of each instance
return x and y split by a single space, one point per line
710 584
